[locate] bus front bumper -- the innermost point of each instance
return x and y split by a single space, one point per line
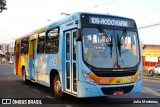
89 90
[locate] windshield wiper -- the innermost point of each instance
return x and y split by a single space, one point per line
110 44
121 40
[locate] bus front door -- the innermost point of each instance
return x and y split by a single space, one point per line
70 62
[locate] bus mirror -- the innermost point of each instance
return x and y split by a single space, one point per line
78 35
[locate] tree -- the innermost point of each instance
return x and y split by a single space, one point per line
2 5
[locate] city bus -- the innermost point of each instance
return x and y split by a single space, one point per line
84 55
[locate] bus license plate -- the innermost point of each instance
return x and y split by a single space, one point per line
116 93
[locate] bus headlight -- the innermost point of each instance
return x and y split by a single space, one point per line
88 78
139 78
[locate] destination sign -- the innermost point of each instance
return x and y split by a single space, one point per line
111 21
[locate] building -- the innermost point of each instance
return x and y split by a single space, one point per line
5 49
150 56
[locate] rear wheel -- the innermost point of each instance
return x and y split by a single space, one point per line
24 76
57 87
151 73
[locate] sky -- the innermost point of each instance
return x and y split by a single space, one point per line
24 16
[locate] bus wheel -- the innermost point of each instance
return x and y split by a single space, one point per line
24 76
57 87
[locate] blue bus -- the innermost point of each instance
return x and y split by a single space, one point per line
84 55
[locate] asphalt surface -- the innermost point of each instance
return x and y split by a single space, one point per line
12 87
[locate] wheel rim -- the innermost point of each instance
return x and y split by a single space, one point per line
57 87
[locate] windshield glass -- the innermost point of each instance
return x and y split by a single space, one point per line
106 49
128 49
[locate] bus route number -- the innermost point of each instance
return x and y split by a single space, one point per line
53 61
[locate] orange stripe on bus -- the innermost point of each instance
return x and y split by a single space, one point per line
114 80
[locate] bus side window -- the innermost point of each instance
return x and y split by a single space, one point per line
52 41
24 46
41 43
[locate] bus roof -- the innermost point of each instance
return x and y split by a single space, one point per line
74 16
77 15
33 32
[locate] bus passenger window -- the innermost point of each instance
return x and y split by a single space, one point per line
53 34
52 41
24 46
74 45
41 42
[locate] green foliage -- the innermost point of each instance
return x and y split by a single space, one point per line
2 5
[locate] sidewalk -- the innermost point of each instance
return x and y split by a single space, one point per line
145 73
146 77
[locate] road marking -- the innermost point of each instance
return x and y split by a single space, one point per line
49 97
68 106
144 91
151 91
26 85
157 90
36 90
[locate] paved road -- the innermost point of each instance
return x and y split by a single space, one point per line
12 86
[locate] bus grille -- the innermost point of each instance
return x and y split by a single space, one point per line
114 73
110 90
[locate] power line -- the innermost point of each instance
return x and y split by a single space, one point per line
99 5
106 3
112 1
148 26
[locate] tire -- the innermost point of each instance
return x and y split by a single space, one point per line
25 81
151 73
57 87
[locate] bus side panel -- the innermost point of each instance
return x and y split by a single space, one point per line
23 62
18 58
43 65
28 61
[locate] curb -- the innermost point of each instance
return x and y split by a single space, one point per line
151 78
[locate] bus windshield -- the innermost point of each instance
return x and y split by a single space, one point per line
104 48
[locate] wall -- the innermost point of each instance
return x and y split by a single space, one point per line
150 56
